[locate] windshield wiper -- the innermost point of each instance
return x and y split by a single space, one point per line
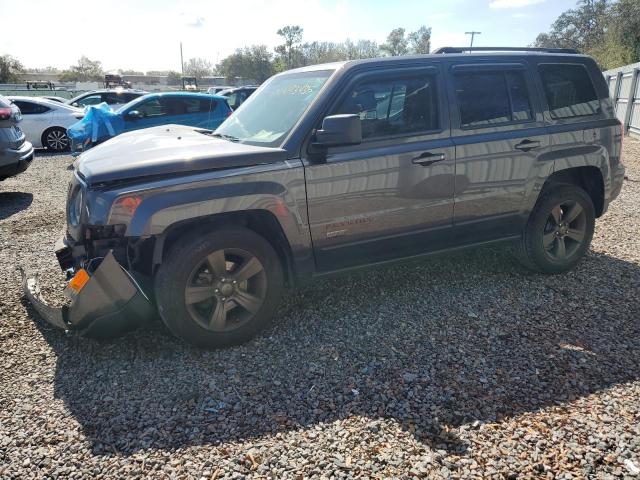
231 138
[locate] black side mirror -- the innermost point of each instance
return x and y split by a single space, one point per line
339 130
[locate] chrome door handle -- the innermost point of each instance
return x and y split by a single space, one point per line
527 145
427 158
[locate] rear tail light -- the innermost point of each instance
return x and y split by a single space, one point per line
5 113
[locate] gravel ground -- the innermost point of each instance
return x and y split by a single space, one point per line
464 366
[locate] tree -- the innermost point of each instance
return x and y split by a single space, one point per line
292 35
130 72
582 28
10 68
198 67
173 78
253 62
360 49
625 25
420 40
84 71
396 44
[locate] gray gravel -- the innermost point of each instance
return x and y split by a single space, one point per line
464 366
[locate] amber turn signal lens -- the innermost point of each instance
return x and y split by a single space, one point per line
79 280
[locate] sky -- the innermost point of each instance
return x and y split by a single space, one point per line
146 34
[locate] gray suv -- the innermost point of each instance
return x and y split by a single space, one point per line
15 152
333 167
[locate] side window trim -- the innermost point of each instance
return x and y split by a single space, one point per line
380 75
502 68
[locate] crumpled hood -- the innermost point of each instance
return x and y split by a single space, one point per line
165 150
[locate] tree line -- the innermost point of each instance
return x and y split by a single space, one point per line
607 30
256 62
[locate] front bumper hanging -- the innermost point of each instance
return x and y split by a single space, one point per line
109 304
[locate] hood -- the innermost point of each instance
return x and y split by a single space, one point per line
169 149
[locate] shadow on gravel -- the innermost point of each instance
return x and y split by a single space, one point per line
13 202
459 340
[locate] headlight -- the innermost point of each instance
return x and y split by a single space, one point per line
124 208
74 212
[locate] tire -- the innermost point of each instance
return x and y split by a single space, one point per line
212 303
55 139
559 230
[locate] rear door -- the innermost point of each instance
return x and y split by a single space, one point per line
392 195
36 118
500 141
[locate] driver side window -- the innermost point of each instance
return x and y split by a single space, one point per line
393 106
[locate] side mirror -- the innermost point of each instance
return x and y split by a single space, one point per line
75 104
134 115
339 130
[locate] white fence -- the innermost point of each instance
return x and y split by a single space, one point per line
624 88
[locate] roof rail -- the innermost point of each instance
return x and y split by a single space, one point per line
445 50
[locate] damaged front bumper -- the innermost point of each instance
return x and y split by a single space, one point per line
110 303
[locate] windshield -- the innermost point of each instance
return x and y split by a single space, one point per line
268 115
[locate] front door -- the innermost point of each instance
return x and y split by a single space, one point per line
392 195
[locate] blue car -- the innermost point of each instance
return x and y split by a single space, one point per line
200 110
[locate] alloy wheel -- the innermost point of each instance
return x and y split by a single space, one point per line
57 140
565 230
226 289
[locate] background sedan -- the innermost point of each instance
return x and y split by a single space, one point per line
45 122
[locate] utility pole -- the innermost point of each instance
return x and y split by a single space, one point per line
473 34
182 61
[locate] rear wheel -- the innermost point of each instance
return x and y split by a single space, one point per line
559 229
55 139
219 288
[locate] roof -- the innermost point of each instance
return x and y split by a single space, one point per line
477 54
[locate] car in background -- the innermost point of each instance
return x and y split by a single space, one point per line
45 122
237 95
219 88
114 98
154 109
16 152
55 99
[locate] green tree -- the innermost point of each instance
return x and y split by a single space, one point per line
84 71
10 68
254 62
292 35
582 28
396 44
625 25
198 67
360 49
420 40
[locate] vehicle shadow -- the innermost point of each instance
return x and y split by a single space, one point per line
457 340
14 202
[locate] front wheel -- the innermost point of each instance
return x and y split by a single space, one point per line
219 288
559 229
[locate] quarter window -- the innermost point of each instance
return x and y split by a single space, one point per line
490 98
569 91
394 106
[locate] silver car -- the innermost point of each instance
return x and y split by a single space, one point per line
15 152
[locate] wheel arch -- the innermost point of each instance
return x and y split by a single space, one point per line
589 178
262 222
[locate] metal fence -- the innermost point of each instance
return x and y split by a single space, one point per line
624 88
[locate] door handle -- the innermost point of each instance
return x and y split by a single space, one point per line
527 145
427 158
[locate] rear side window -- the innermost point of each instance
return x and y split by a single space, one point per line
569 91
394 106
28 108
197 105
492 98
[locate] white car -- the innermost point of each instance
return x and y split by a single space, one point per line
115 98
45 122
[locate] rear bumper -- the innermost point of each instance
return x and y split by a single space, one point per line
13 162
110 303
